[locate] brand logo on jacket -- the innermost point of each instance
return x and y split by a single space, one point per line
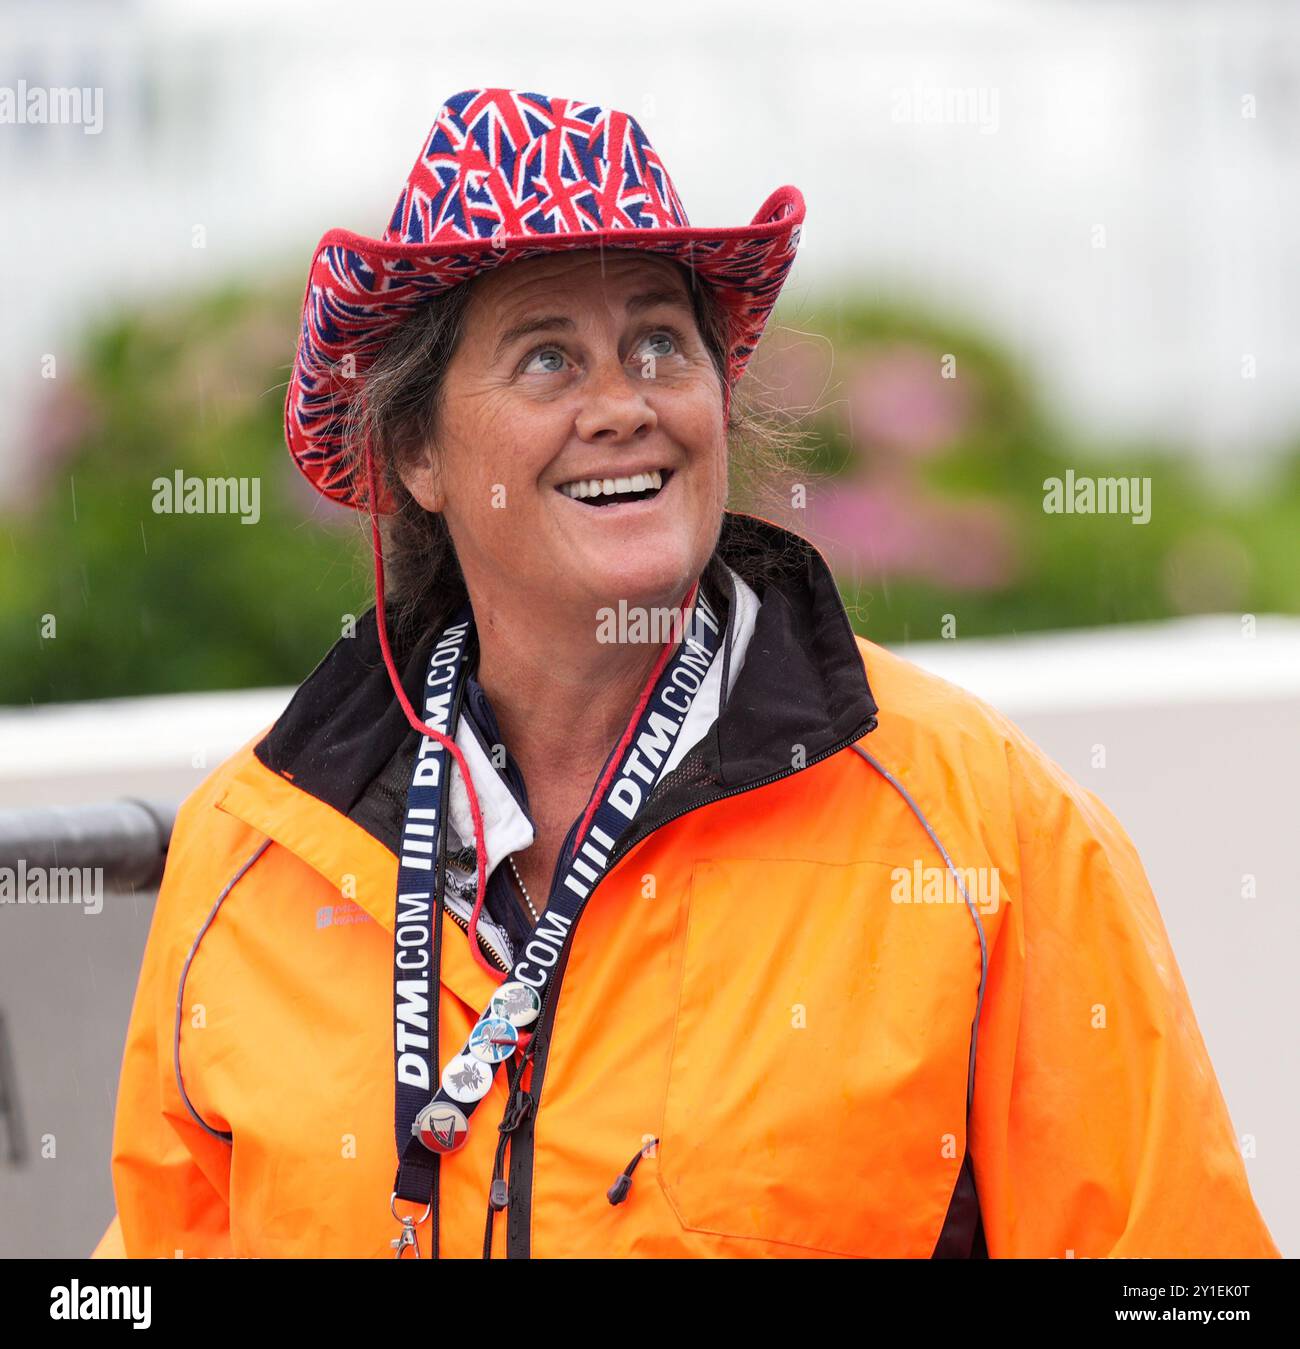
343 914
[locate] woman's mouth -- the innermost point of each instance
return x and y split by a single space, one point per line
621 490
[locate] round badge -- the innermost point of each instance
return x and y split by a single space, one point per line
466 1079
517 1003
442 1127
493 1040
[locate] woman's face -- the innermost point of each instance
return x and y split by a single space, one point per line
573 369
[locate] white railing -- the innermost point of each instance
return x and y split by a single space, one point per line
1172 664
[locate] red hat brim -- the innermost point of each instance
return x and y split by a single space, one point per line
360 289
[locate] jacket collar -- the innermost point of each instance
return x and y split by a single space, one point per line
800 680
507 826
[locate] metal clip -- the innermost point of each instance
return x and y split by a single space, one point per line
407 1239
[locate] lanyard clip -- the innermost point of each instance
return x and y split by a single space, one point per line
407 1240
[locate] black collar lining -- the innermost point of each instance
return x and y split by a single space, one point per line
802 684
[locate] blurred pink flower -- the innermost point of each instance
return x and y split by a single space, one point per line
898 402
62 416
895 531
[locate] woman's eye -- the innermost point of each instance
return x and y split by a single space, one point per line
552 359
668 341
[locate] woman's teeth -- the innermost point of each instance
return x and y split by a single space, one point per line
609 488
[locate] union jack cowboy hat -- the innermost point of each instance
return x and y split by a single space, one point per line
506 175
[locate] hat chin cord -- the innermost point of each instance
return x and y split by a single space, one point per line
476 814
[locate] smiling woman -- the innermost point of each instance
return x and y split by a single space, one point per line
552 435
406 393
750 939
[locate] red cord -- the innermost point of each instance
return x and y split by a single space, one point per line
627 734
480 848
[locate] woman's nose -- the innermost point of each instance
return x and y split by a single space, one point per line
614 406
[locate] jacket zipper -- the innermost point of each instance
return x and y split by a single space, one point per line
463 924
519 1226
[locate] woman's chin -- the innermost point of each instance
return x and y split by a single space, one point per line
651 583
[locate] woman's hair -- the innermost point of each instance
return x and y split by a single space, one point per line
399 415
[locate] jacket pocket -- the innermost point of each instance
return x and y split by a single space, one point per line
815 1095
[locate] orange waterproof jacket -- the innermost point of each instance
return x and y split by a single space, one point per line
878 977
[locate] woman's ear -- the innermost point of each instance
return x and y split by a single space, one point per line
423 480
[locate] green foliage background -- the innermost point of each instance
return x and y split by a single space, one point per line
150 603
1077 570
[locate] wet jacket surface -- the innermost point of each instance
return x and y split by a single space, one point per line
877 975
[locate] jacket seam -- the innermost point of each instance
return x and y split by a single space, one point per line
218 1134
973 911
984 970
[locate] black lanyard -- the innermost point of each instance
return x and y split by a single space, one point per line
432 1110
